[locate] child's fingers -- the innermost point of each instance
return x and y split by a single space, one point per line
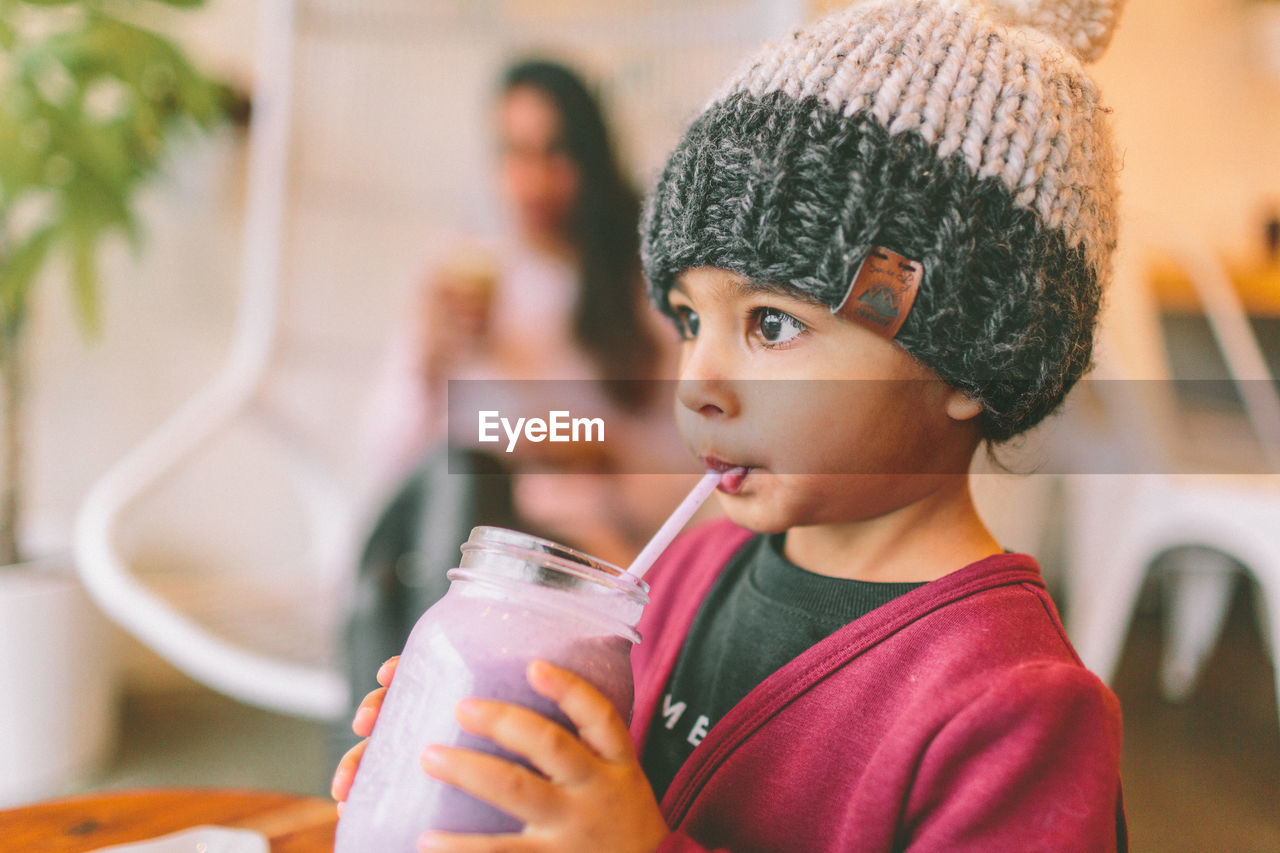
362 724
521 793
387 671
597 721
346 772
367 714
550 747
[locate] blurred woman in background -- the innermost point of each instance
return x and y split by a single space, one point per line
559 295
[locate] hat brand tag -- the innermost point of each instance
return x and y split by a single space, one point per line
882 292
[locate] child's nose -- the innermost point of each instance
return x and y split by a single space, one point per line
705 367
707 397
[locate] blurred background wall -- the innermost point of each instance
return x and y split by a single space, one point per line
1197 116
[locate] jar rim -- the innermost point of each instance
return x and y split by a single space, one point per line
555 555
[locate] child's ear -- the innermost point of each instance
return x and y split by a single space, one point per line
962 407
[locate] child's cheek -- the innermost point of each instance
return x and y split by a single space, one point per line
684 425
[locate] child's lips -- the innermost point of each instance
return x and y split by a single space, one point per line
731 482
733 477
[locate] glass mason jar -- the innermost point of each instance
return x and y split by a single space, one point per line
514 599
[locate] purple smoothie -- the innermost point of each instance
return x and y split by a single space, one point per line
478 641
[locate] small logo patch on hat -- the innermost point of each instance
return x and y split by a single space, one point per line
882 292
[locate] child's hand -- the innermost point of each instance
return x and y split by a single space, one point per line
595 796
362 725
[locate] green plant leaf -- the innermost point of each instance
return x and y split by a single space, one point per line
104 151
158 74
25 134
50 2
17 272
8 35
92 206
108 45
89 151
84 279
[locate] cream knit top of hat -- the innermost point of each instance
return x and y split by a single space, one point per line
1000 82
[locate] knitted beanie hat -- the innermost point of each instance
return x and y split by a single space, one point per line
961 135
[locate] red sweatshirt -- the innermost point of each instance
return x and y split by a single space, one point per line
955 717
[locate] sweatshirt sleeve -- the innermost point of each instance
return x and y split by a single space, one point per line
1031 763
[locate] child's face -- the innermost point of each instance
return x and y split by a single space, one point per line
865 406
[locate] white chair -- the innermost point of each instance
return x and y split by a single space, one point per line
1203 514
200 624
370 129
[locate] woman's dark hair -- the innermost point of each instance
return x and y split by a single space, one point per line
604 225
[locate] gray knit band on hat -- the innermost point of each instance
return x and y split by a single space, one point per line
939 131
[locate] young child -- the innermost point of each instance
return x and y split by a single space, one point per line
906 212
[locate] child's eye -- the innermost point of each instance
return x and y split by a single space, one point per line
687 322
776 327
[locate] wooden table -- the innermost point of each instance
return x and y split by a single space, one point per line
292 823
1190 345
1257 283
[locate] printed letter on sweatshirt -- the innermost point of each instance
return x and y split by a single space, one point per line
671 712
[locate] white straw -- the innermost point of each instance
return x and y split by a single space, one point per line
675 523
